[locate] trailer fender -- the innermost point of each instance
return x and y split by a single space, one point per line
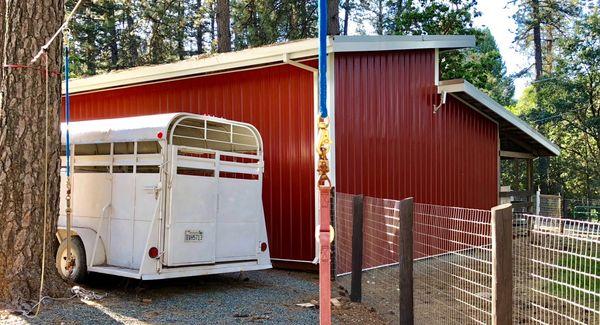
88 237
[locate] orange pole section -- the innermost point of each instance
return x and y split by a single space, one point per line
325 260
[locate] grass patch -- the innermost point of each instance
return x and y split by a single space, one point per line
578 278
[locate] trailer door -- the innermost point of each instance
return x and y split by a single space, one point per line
192 203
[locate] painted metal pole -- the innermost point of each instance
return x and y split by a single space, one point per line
323 58
325 190
325 258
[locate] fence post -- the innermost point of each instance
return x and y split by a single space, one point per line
502 284
405 243
357 248
537 201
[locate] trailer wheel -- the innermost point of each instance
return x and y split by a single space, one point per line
79 271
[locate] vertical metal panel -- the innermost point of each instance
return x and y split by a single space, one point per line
278 100
389 144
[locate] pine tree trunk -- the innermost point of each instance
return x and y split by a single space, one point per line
333 11
346 16
537 39
223 32
543 162
112 32
132 44
180 30
22 143
199 32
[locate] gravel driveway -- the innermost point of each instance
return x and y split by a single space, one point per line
254 297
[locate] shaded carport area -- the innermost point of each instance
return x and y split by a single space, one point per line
518 141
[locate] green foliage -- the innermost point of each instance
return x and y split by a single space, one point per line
566 108
452 17
482 66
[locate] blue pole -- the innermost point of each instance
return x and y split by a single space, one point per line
67 109
323 58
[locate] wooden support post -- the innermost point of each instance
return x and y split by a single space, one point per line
516 185
357 248
502 283
405 234
529 182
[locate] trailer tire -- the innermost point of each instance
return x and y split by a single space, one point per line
79 272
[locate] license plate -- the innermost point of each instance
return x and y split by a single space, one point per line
193 235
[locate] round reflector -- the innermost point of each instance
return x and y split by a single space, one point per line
153 252
159 135
263 247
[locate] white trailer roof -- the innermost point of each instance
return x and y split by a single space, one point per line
129 129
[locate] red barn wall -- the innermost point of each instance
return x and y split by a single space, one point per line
389 144
278 100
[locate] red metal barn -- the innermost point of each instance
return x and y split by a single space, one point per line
388 142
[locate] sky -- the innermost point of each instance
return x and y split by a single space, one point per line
498 18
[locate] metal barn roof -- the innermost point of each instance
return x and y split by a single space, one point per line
270 54
516 135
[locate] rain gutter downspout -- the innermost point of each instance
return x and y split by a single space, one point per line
315 71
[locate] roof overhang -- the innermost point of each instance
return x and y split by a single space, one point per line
516 136
261 56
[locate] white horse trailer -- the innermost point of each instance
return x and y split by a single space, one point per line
163 196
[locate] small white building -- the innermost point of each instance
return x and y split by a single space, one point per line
164 196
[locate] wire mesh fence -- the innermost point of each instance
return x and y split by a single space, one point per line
556 270
380 242
453 266
555 263
548 205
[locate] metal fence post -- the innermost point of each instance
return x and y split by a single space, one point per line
502 282
405 242
537 202
324 262
357 248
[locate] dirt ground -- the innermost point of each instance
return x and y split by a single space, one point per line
254 297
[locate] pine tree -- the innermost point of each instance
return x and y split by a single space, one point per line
223 17
23 143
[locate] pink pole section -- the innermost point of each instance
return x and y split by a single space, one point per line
325 260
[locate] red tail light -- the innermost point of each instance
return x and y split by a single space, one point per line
263 247
153 252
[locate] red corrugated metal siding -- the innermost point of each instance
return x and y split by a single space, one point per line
278 100
389 144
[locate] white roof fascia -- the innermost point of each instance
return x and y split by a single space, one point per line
484 99
195 66
403 42
270 54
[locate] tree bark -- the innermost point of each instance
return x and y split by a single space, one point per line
346 16
199 29
333 23
543 163
223 30
22 145
537 38
112 32
180 30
